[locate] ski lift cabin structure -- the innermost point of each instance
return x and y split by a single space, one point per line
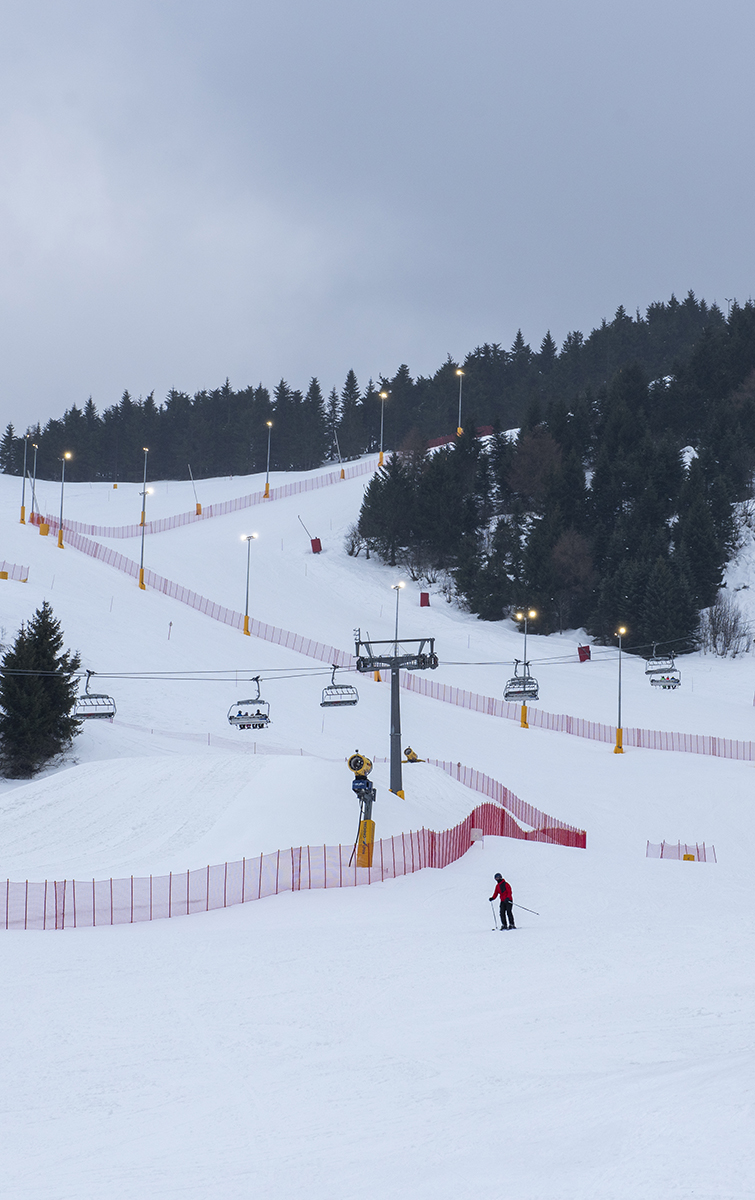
521 688
338 695
94 706
663 672
250 714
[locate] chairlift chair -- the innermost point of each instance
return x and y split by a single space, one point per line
521 688
659 664
338 695
93 706
250 714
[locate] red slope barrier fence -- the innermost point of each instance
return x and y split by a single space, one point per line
646 739
221 509
76 903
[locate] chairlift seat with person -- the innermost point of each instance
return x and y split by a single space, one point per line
92 706
338 695
668 681
250 714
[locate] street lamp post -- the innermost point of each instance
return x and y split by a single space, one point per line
64 459
383 397
144 486
526 616
248 538
460 373
619 747
147 492
267 476
23 482
34 481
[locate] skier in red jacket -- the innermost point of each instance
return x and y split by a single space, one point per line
503 892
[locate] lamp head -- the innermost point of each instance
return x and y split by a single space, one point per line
532 614
384 395
67 454
269 424
249 537
620 631
459 371
145 449
395 587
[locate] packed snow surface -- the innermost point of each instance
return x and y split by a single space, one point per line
382 1041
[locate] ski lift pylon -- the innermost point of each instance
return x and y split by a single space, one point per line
250 714
338 695
94 706
522 687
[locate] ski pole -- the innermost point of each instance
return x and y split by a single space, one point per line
537 914
495 918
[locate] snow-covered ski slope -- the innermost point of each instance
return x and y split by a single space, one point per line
381 1041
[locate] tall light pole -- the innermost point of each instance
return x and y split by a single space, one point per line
64 459
23 483
460 373
619 747
248 538
147 492
34 481
144 486
529 615
267 476
526 616
383 397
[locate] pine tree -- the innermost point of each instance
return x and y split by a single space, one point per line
351 435
668 611
35 706
8 453
315 440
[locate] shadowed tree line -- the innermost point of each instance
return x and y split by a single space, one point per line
609 506
224 431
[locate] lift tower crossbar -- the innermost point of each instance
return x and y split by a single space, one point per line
412 654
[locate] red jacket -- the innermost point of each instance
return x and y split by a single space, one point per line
503 891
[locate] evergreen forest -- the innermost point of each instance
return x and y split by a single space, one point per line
224 431
615 505
610 500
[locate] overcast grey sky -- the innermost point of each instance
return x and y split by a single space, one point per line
195 189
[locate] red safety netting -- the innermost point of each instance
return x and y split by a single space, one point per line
678 851
14 571
75 903
212 510
648 739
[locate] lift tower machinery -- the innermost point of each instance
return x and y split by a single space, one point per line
413 654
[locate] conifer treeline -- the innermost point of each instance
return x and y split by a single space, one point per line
593 515
224 431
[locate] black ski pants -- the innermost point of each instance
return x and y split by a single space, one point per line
506 911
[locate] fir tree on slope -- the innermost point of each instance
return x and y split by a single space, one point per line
35 708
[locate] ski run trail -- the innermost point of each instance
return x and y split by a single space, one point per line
380 1041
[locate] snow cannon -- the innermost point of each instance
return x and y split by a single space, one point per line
314 542
411 756
365 793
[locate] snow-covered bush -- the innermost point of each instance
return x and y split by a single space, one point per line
724 629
